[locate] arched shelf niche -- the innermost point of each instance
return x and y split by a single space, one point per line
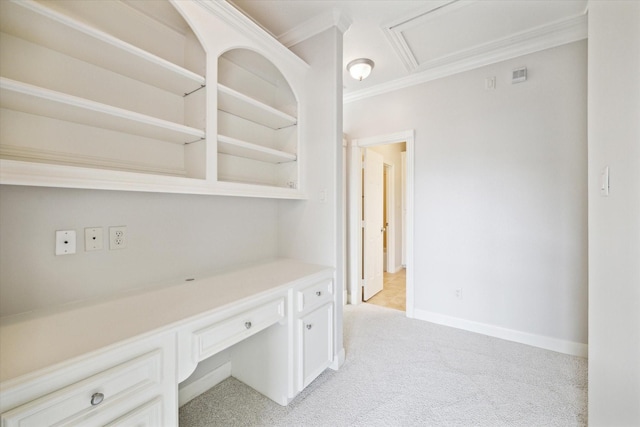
257 122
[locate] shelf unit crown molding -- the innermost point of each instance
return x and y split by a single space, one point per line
244 25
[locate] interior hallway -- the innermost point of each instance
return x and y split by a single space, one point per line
394 293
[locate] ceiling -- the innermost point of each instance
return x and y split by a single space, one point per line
420 40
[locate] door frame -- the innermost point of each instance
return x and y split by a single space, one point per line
390 229
355 212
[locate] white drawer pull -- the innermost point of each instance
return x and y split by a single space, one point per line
309 326
247 325
318 293
97 399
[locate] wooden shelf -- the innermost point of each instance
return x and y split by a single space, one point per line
38 24
238 104
236 147
43 102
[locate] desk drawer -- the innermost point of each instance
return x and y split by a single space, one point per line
212 339
315 295
79 402
147 415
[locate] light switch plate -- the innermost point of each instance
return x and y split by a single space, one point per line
604 182
65 242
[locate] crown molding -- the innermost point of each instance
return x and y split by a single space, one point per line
546 37
242 23
314 26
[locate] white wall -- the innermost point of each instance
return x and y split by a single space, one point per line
500 194
316 219
310 230
614 221
170 237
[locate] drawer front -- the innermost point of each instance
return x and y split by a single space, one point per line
77 403
147 415
315 295
212 339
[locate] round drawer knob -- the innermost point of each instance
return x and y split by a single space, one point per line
309 326
247 325
318 293
96 398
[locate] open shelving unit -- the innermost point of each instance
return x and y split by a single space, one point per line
113 95
257 136
73 94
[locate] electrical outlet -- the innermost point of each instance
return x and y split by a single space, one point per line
93 239
459 293
117 237
65 242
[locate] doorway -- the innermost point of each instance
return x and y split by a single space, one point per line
392 293
399 256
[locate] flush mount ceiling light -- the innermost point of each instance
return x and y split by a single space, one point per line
360 68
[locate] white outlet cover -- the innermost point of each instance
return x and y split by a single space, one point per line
65 242
93 240
117 237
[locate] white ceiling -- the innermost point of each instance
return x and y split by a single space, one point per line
415 41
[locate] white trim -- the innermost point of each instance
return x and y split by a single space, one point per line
314 26
202 385
338 360
240 21
547 37
541 341
391 219
355 214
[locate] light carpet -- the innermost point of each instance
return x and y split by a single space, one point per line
405 372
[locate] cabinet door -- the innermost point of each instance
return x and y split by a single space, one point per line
315 344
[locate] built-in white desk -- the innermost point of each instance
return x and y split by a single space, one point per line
119 361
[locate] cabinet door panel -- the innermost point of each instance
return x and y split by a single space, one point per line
315 344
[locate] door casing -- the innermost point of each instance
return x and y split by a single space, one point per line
355 212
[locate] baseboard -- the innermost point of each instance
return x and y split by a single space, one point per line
541 341
199 386
338 360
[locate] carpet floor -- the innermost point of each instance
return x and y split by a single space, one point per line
405 372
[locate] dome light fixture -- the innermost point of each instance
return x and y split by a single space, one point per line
360 68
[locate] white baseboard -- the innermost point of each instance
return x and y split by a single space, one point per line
541 341
338 360
201 385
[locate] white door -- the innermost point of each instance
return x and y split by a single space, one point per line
373 223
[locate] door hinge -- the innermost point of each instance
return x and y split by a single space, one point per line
362 224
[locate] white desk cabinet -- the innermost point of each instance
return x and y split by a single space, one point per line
314 329
135 382
118 362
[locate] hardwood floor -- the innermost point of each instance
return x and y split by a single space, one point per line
394 294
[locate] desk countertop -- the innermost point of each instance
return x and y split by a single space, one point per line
33 341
